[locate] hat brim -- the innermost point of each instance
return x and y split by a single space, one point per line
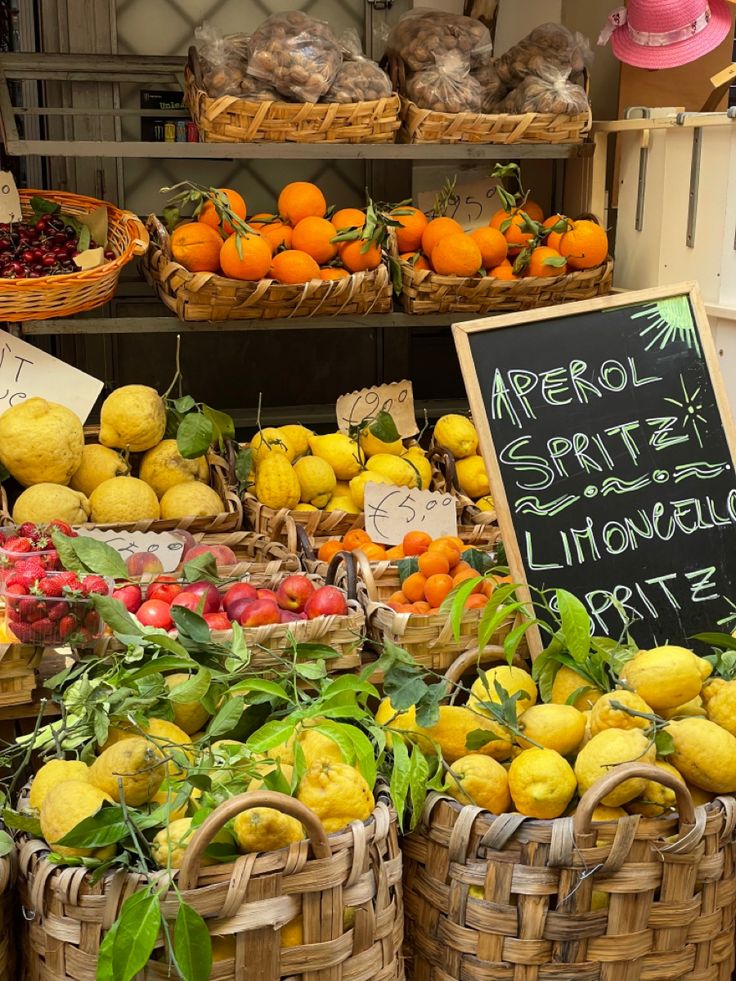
680 53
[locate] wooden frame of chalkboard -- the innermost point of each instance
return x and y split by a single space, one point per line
633 412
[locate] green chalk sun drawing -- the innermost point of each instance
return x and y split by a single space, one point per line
671 322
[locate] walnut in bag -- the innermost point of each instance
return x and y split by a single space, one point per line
296 54
422 35
547 45
554 94
223 59
448 87
358 79
483 70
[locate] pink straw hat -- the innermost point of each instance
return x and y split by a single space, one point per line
666 33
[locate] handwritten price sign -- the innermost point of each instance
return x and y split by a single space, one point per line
397 399
390 512
10 209
472 205
167 548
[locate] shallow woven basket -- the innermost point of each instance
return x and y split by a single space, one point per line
209 296
229 119
257 556
429 126
670 908
9 966
18 665
423 291
324 524
66 914
60 296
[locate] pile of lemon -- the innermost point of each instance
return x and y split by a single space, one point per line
458 435
559 749
42 446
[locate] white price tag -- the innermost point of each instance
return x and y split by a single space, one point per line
10 209
472 205
390 512
397 399
168 548
26 371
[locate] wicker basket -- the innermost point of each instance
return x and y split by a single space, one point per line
61 296
222 480
232 120
671 909
257 556
67 913
476 527
423 291
429 126
18 665
9 966
209 296
316 524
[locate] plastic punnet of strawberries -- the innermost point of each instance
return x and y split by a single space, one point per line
30 541
51 607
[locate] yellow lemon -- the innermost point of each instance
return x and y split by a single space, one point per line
396 468
167 793
277 485
721 707
340 452
664 676
65 806
297 438
357 486
453 727
132 418
542 783
191 500
694 707
607 750
40 442
264 829
272 440
337 794
705 754
99 463
457 434
655 798
316 480
479 780
511 680
613 710
51 773
603 813
558 727
170 844
305 507
340 503
418 459
485 503
122 500
163 467
472 476
132 768
45 502
567 682
371 445
188 716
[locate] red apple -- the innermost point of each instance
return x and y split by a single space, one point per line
206 589
164 588
268 594
326 601
294 592
260 612
290 616
221 554
130 596
190 601
218 621
155 613
240 591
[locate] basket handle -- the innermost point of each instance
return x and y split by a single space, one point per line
366 574
625 771
158 234
196 66
305 544
283 520
229 809
467 660
352 575
138 234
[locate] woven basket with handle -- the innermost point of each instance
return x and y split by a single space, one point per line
67 912
229 119
476 527
69 293
209 296
638 899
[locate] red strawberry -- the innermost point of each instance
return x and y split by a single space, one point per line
57 610
29 610
70 581
30 569
28 530
16 544
24 632
51 558
44 629
94 584
63 527
15 587
49 586
66 626
92 621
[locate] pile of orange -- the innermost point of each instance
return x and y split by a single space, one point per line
441 568
293 245
556 245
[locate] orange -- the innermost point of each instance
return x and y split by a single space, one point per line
421 607
402 607
451 553
493 246
397 597
356 539
420 262
409 235
314 236
538 265
533 209
277 234
503 271
457 255
476 601
293 266
332 273
250 258
348 218
463 575
416 542
515 236
453 540
463 566
262 220
553 239
196 247
373 551
301 199
436 230
395 553
585 245
208 215
328 549
356 260
413 587
436 589
433 564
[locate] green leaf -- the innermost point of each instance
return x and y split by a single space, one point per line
275 780
101 727
311 651
194 436
226 719
203 567
575 624
192 944
723 641
22 822
190 624
200 781
454 603
185 404
384 428
664 742
106 827
4 473
270 735
481 561
399 781
222 425
105 955
85 237
67 553
428 706
479 738
261 685
339 734
115 615
192 690
42 206
407 567
171 216
7 845
311 672
138 929
99 558
418 777
349 683
405 687
244 465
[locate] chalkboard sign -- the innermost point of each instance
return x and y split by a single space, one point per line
609 445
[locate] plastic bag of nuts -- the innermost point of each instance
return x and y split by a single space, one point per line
484 71
358 79
554 93
448 87
422 35
298 55
547 45
223 59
